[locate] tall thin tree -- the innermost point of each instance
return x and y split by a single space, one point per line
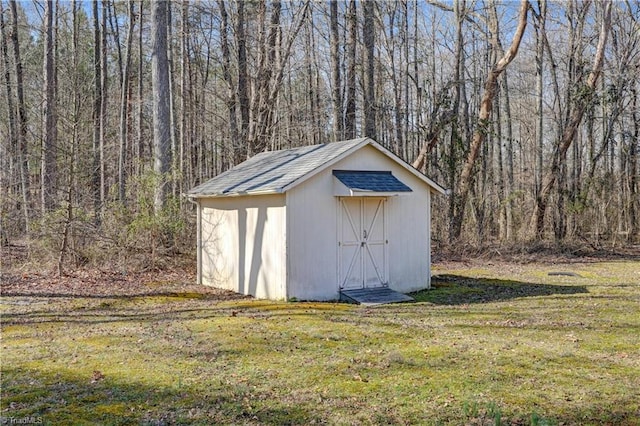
336 78
369 40
97 113
49 173
161 102
350 108
124 108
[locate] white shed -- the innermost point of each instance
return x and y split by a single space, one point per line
310 222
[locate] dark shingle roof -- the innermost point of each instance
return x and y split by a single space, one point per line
271 172
370 181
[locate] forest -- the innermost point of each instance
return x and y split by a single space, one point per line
526 111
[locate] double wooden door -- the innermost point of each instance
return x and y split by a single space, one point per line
362 241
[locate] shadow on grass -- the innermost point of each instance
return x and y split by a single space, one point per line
460 290
65 398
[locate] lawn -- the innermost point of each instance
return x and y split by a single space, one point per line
499 343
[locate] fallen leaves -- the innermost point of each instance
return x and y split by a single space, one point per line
97 376
107 284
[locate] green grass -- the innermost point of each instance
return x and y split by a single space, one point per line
501 344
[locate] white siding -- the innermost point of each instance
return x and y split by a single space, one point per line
312 231
243 244
312 243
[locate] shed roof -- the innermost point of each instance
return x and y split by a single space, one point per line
277 171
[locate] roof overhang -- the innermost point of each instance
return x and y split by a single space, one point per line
232 194
367 183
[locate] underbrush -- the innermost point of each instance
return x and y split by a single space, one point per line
123 240
536 251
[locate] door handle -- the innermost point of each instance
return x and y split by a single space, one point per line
364 234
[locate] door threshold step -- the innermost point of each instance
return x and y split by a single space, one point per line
374 296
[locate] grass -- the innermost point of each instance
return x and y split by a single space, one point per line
492 344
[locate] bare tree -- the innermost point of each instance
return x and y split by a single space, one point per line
124 108
336 77
231 100
369 39
49 172
486 105
8 151
350 111
184 99
271 66
104 80
71 163
161 99
240 149
568 134
97 112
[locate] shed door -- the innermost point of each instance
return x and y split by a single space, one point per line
362 242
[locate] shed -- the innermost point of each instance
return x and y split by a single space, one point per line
310 222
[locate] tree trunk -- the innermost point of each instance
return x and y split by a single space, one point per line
8 152
13 142
140 139
49 172
509 160
454 140
540 30
350 112
104 81
174 167
97 113
312 90
226 74
466 178
64 246
537 219
369 40
336 78
124 109
634 199
240 147
161 99
398 106
185 92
